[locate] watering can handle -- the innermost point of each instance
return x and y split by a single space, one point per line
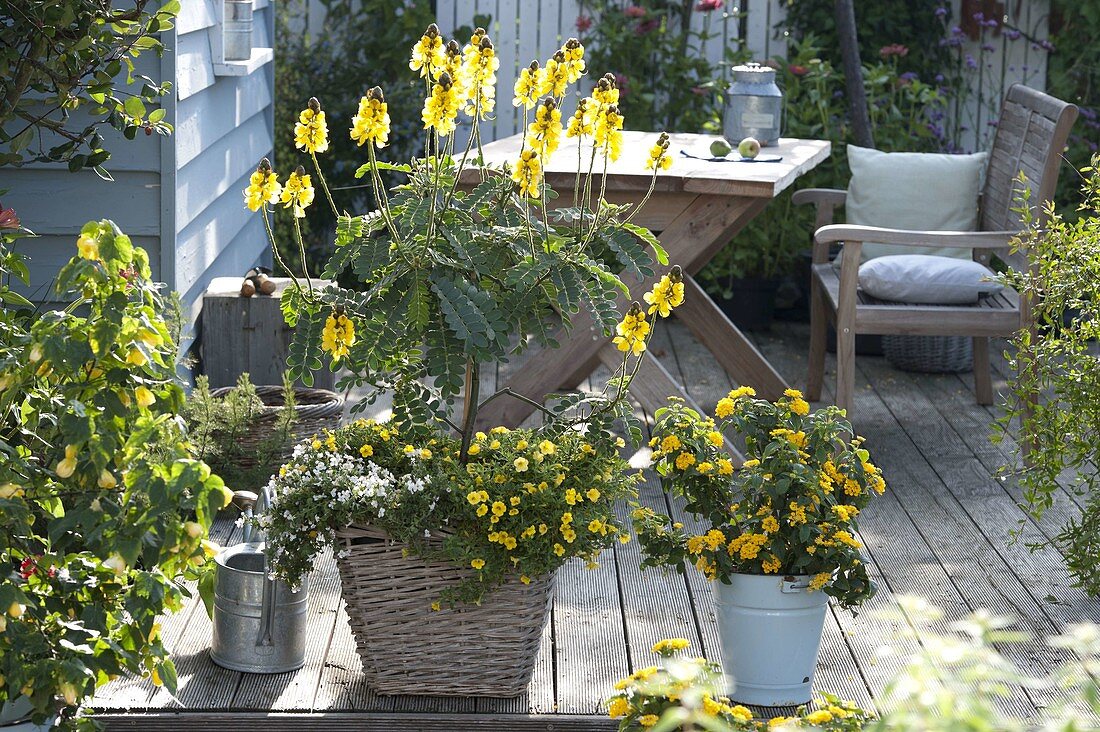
267 622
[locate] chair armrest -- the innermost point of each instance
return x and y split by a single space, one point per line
919 239
828 196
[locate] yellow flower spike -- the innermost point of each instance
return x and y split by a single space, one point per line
337 338
608 135
311 130
298 192
263 187
428 53
480 71
526 88
632 331
544 134
441 106
528 173
659 159
666 294
580 124
556 78
606 92
372 122
574 64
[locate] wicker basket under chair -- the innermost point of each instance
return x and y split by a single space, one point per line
929 354
407 648
315 410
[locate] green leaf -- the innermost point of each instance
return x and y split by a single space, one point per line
157 114
134 107
366 168
649 238
20 141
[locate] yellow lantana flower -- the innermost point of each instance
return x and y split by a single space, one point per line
670 645
311 130
648 720
372 122
618 707
298 192
742 391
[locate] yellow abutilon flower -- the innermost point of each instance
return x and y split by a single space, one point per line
311 130
87 247
441 106
67 465
145 396
632 331
372 122
428 52
544 134
338 336
667 294
527 85
298 192
263 187
528 173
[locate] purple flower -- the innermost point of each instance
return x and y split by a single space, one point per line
979 17
941 12
988 47
939 78
970 62
991 23
1046 46
909 76
1013 34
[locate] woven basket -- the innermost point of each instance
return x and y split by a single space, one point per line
316 409
408 648
929 354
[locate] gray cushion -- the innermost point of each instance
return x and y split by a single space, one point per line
929 280
922 191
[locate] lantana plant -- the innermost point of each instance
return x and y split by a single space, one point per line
789 510
101 506
464 265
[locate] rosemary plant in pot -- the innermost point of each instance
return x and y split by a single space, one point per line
448 537
782 536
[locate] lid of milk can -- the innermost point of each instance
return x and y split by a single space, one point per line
753 73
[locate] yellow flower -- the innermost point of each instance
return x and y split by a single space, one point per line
106 480
338 336
263 187
528 173
819 717
477 563
499 508
724 408
666 294
670 443
441 106
544 134
87 246
136 357
311 130
67 466
608 135
145 396
559 549
479 69
298 192
593 494
556 77
770 524
648 720
520 464
474 497
778 722
546 447
800 407
618 707
632 331
527 86
474 449
725 466
741 714
428 51
684 460
659 159
482 510
366 451
715 438
670 645
771 565
820 580
606 92
596 526
580 124
574 64
372 122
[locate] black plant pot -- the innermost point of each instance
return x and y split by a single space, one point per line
752 305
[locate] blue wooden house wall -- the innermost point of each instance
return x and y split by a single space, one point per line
180 196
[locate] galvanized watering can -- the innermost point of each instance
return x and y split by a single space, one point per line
754 106
259 623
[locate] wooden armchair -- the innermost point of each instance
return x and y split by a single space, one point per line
1031 134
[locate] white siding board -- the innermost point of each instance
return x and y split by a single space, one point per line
195 15
59 202
208 177
194 65
206 117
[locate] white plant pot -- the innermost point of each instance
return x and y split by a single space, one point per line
770 628
15 717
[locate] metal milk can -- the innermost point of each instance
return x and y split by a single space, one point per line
237 30
754 105
259 623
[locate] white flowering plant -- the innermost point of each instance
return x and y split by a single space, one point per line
519 507
684 693
790 509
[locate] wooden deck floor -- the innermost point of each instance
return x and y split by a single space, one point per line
940 532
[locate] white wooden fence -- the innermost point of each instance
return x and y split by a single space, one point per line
523 30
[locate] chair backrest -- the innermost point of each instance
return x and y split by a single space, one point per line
1031 135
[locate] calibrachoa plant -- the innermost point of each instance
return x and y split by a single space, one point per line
686 693
789 510
451 278
101 506
523 504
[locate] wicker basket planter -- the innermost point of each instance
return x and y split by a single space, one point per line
316 409
408 648
929 354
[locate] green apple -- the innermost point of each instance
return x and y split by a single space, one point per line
720 148
749 148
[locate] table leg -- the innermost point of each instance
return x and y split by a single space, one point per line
692 239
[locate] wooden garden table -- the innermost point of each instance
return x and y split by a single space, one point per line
697 206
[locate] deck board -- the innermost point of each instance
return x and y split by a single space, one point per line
942 532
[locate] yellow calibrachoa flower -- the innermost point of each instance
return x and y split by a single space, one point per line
263 187
298 192
372 122
528 173
428 54
666 294
338 335
520 464
311 130
659 159
526 88
477 563
632 331
87 246
544 134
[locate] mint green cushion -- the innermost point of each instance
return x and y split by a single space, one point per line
924 191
